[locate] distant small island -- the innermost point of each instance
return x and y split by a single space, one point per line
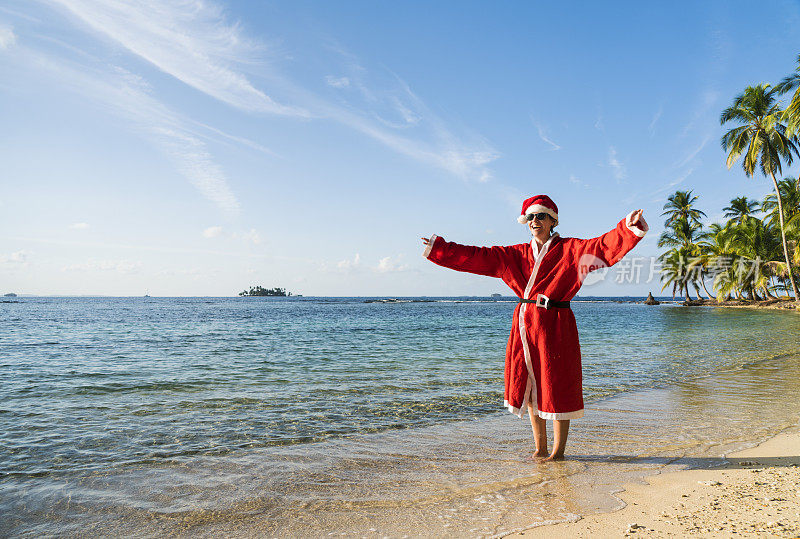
260 291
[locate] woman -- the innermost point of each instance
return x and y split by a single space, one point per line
543 356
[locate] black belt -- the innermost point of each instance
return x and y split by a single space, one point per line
547 303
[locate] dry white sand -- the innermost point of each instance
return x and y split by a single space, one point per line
756 495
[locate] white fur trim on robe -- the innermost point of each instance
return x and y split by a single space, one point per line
635 229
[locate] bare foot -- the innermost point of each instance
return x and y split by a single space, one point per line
554 457
539 454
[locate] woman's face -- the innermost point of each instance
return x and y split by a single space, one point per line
540 229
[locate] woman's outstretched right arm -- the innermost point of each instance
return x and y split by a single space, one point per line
489 261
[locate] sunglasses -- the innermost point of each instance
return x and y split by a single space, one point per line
538 216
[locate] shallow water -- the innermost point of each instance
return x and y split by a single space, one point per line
315 416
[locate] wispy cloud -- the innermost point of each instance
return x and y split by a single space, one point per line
79 226
19 14
166 249
349 265
388 264
657 116
7 37
543 135
598 124
692 154
391 264
233 138
337 82
194 273
705 101
251 236
680 179
189 40
128 96
117 266
192 41
212 232
658 193
16 259
195 163
577 181
451 156
388 111
620 173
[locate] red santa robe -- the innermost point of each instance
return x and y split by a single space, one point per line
543 356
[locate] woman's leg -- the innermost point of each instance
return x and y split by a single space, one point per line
561 429
539 427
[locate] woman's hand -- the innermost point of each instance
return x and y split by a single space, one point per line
426 241
637 219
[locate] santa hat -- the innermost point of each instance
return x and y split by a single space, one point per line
538 204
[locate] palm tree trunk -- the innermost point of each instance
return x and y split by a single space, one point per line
703 282
765 288
783 238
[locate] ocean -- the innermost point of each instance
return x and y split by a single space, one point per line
356 416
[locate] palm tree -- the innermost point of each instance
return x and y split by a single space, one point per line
791 115
678 263
762 138
682 231
789 189
758 247
674 271
741 209
717 252
680 206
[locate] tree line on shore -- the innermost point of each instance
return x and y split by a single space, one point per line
261 291
755 254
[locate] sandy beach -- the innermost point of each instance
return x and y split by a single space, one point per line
756 494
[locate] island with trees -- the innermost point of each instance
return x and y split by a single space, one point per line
260 291
751 259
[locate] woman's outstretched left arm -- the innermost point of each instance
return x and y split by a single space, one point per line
615 244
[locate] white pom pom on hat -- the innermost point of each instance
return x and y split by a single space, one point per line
538 204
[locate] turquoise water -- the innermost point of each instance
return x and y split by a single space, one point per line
276 409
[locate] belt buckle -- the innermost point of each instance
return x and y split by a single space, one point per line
542 301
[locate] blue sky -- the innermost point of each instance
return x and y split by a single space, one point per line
198 148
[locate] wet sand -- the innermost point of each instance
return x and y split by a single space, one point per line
755 494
